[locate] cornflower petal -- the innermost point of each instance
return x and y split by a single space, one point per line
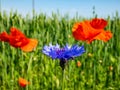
65 53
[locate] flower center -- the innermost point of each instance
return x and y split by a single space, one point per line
60 51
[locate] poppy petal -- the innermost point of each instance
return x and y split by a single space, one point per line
83 31
16 32
30 46
17 38
18 41
23 82
98 23
77 31
105 36
4 37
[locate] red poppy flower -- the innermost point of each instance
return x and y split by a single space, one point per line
22 82
91 30
18 40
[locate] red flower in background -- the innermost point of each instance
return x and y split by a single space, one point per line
18 40
78 64
91 30
22 82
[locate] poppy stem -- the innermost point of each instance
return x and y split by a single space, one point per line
4 77
12 65
94 84
29 71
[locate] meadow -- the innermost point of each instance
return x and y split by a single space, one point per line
100 64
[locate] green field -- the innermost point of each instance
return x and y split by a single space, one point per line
101 71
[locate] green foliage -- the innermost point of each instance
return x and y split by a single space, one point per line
100 71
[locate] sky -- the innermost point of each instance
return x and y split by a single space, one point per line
84 8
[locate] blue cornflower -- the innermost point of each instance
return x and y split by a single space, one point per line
63 54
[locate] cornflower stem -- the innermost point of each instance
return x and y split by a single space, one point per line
63 79
63 64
